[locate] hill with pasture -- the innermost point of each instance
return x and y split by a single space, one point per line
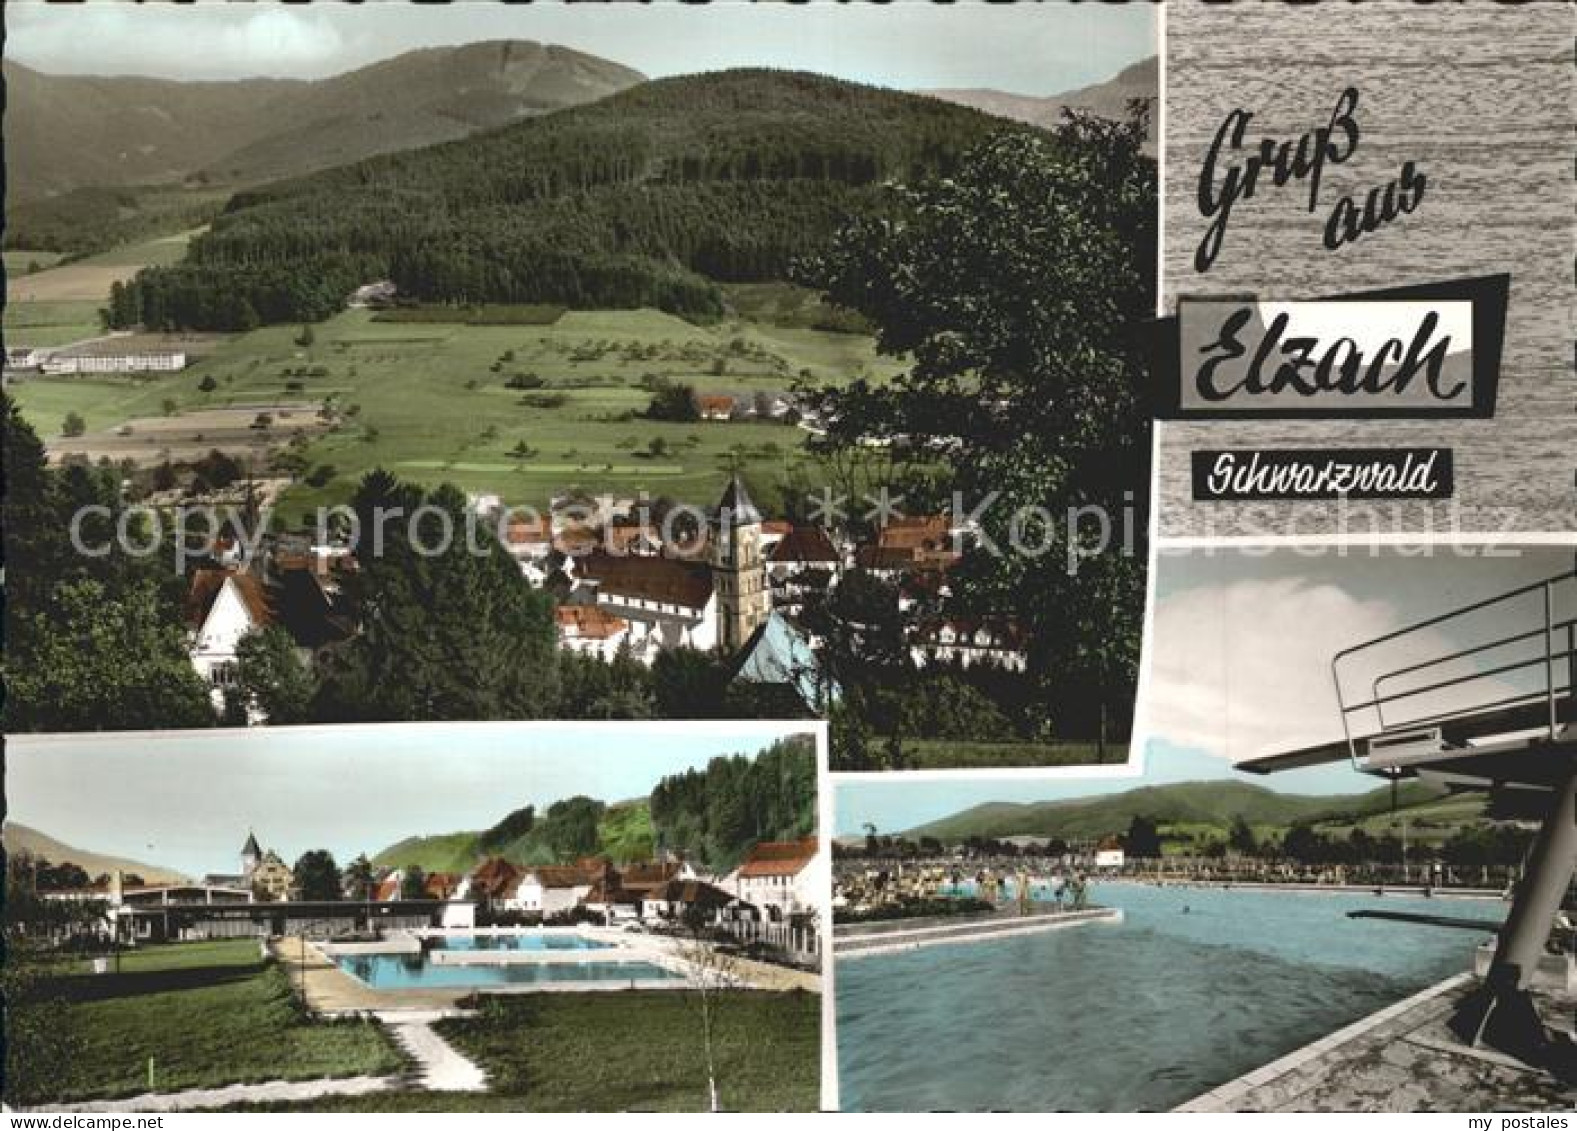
20 839
1206 803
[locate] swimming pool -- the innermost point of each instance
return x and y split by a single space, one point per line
530 941
1196 987
414 972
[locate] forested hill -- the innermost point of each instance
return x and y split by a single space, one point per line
709 816
640 199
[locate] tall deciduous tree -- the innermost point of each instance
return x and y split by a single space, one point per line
449 630
317 877
93 641
272 677
1013 287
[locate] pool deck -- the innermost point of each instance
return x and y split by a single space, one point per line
331 991
890 936
1400 1059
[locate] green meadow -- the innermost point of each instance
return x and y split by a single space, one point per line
196 1015
433 401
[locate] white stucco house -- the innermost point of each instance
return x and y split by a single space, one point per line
222 606
591 630
1109 853
780 877
551 890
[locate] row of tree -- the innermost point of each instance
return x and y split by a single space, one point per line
716 814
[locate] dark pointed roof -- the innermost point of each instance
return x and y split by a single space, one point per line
250 848
736 505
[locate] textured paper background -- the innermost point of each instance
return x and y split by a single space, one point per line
1483 97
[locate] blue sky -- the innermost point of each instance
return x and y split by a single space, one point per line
185 800
1030 48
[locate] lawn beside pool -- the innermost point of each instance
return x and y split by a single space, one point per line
208 1014
636 1050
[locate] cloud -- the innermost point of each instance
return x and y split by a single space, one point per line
185 42
1243 669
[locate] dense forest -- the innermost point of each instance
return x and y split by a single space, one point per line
642 199
716 814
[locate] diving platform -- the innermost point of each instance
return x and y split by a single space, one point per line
1478 697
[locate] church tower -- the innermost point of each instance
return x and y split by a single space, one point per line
739 573
251 856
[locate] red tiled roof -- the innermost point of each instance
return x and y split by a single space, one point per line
388 888
523 531
494 878
779 857
440 885
805 544
647 875
650 579
916 532
711 402
609 891
561 875
206 585
692 891
589 622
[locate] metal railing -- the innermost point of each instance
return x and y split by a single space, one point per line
1524 658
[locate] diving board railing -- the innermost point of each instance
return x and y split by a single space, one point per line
1503 665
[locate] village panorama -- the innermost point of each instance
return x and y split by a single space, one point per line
697 352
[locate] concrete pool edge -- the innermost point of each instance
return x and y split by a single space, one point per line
901 938
1218 1098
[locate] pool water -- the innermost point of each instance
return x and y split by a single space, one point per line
516 942
1196 987
413 972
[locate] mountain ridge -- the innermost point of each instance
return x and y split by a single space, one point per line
66 132
1206 802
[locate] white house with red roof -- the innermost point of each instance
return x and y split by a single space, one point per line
222 606
780 877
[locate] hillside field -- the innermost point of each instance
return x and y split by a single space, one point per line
433 404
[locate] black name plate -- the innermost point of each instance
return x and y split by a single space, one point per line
1312 474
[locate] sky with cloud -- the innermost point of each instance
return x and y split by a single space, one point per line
185 800
1036 49
1241 646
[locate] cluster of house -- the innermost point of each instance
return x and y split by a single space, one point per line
642 586
735 583
103 356
757 406
775 883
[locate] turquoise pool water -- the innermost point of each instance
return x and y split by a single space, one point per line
413 972
1195 988
516 942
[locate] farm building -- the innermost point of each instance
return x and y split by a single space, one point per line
90 361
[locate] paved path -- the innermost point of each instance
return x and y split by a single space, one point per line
274 1091
439 1068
